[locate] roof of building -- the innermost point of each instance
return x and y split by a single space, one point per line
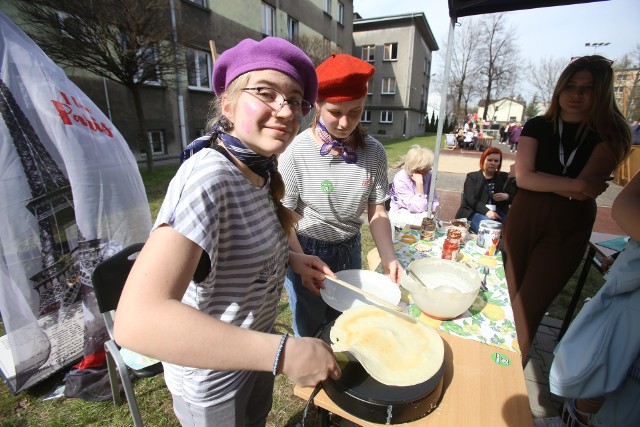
417 19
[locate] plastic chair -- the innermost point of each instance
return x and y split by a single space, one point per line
109 278
450 141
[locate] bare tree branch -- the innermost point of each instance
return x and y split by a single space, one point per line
543 76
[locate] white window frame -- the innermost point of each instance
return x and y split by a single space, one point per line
390 52
386 116
370 87
618 89
368 53
163 146
268 19
327 7
196 67
293 27
388 86
202 3
366 116
340 17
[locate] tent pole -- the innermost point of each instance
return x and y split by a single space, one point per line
441 113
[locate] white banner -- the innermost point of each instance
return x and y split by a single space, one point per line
71 194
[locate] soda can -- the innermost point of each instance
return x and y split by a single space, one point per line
489 233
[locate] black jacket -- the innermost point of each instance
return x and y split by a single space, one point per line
476 194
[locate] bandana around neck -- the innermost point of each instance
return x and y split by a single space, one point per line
259 164
348 154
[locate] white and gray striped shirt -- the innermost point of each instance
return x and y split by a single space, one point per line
210 202
330 194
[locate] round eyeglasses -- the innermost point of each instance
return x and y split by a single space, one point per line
276 100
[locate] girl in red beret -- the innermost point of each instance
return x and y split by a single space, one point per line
203 294
333 174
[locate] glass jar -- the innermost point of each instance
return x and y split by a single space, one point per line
451 244
428 229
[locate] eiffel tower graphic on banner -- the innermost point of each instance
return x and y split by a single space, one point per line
58 283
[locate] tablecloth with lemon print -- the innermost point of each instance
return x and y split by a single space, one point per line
490 317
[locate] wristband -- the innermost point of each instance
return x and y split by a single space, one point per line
276 362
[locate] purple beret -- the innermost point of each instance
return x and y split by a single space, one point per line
271 53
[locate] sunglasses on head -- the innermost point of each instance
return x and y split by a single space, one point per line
595 61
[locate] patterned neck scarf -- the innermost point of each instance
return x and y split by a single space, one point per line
259 164
348 154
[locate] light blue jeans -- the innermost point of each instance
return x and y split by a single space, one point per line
310 312
477 217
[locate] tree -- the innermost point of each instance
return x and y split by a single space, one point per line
532 109
130 42
464 67
315 47
499 57
629 64
543 76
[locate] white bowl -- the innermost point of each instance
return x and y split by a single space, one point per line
450 289
342 299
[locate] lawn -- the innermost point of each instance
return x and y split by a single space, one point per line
30 408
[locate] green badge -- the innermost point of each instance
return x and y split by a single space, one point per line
326 186
500 359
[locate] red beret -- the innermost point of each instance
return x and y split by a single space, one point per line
343 78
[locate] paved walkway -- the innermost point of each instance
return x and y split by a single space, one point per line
453 165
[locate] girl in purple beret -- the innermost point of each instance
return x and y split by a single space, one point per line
203 294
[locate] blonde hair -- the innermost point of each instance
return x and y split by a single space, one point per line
418 158
286 216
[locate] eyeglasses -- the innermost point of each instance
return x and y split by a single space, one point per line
276 100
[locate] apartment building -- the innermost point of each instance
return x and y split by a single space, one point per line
176 114
401 48
627 92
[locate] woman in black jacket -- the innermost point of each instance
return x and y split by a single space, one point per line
484 196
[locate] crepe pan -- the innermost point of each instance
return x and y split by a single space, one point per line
357 393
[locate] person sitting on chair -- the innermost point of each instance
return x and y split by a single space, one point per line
483 196
410 195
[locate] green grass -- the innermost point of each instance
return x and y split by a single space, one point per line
29 409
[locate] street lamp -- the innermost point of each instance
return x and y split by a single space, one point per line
596 45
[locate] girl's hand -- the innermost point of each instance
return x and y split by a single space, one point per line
307 361
493 215
417 178
312 269
394 271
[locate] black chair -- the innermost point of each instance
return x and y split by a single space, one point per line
109 278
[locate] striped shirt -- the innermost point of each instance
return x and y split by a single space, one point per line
211 203
331 195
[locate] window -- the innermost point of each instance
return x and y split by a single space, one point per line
198 69
202 3
421 120
370 87
155 138
389 86
368 53
621 77
268 19
292 28
148 71
340 13
366 116
327 7
386 116
619 89
391 52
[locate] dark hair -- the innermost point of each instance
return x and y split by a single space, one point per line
603 117
487 152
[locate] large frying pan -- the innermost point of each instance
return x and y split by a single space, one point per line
357 393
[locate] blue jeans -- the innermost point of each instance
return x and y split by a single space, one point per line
477 217
310 312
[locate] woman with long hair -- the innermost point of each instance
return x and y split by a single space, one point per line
334 172
564 160
484 197
213 327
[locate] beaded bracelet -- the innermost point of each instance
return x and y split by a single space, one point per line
276 362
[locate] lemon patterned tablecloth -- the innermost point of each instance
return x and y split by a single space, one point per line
490 317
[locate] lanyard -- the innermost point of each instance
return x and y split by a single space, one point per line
561 149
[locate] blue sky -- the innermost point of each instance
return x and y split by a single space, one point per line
560 31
